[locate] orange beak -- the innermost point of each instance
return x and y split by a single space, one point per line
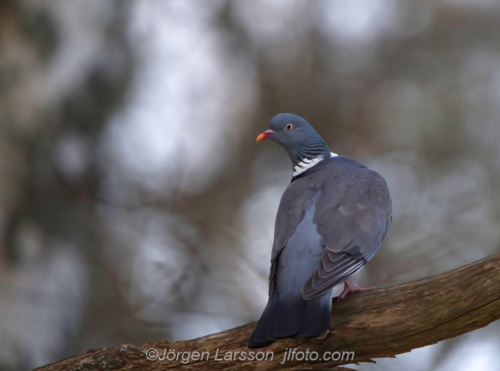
265 135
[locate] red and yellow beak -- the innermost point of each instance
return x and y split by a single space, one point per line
265 135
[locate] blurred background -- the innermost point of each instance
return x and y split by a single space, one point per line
135 204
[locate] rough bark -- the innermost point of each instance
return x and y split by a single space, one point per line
373 324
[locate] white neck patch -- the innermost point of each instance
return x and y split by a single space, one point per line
308 163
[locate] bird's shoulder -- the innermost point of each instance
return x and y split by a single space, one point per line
335 171
347 183
341 186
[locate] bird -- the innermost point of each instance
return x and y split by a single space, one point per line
332 219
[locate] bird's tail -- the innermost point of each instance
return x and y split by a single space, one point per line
292 317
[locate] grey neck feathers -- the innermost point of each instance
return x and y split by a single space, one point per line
308 155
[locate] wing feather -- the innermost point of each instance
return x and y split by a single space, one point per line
352 227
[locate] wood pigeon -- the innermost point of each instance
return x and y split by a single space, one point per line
332 219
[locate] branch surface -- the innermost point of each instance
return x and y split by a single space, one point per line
373 324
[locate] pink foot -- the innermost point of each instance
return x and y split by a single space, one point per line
350 287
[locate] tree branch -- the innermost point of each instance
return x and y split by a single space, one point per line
373 324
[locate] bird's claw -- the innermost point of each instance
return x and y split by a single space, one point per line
350 287
320 338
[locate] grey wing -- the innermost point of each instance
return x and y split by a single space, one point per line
293 205
353 216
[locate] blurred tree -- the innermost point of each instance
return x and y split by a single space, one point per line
130 186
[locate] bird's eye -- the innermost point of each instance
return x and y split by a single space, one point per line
289 127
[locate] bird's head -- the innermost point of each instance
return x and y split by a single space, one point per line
297 136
